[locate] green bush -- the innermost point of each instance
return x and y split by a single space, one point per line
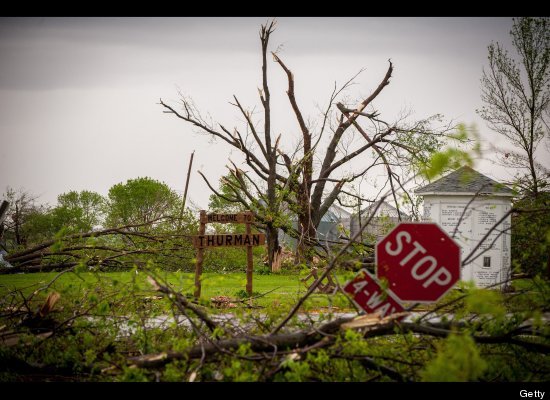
227 259
531 236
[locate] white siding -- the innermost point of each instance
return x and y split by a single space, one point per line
475 222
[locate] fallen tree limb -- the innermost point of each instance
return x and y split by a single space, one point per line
295 341
258 344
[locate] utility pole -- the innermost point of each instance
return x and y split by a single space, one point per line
3 210
3 213
186 187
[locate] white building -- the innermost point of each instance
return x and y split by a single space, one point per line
475 203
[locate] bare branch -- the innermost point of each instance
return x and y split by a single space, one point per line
183 302
252 127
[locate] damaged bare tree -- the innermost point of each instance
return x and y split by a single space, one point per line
296 183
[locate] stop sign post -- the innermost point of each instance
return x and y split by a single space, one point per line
419 260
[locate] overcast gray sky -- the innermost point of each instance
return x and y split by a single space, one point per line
78 96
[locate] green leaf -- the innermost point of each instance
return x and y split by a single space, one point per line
457 360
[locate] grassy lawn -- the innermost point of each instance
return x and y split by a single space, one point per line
284 290
274 291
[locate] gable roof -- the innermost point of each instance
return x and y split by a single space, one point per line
340 212
330 216
367 210
466 180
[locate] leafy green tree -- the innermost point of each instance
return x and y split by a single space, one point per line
75 212
140 201
152 208
516 96
78 211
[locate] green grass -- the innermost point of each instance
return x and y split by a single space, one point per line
284 290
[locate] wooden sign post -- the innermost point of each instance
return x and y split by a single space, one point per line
202 241
200 255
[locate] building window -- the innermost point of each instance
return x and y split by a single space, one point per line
486 262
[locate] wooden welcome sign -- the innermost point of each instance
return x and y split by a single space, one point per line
248 240
229 240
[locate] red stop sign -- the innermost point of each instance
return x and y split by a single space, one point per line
419 260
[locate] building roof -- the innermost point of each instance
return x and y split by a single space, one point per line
373 206
340 212
465 180
330 216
